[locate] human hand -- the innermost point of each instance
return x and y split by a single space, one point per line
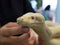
14 34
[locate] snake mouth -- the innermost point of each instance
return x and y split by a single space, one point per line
25 27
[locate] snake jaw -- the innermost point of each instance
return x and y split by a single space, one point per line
29 24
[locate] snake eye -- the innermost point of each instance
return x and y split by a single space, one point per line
32 17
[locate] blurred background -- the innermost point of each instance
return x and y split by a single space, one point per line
36 4
39 5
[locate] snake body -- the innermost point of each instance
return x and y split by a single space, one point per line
37 22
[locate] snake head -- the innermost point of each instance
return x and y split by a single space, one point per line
30 19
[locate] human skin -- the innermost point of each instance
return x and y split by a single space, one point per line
9 35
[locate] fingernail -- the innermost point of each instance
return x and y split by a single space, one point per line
25 29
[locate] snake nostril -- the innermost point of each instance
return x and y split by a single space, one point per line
22 19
